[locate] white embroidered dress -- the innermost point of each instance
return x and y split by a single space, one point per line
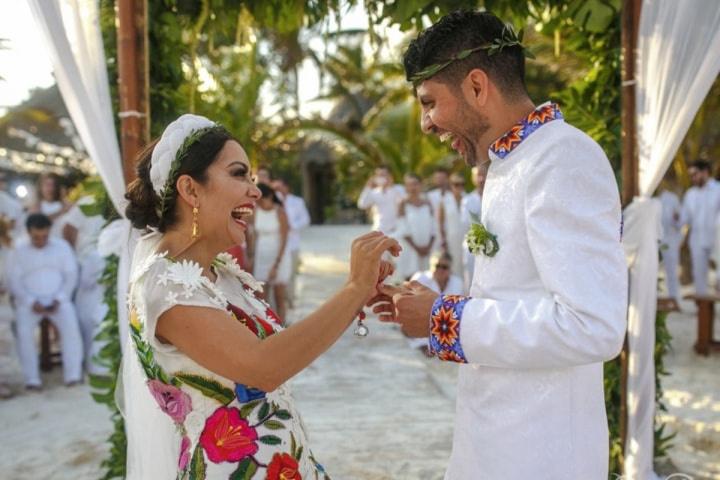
543 314
219 429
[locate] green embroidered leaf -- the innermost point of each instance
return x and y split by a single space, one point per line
298 454
245 471
248 408
273 425
208 387
283 415
197 464
264 410
270 440
293 446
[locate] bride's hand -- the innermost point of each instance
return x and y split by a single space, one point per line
366 266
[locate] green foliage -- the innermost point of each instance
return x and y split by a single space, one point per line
109 358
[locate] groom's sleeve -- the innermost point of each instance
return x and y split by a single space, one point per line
578 316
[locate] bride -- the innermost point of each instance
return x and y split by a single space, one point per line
204 380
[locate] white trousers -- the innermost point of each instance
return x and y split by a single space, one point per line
66 322
91 311
700 264
671 262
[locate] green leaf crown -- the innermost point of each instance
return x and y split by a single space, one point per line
169 188
508 38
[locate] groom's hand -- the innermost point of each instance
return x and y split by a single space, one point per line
412 306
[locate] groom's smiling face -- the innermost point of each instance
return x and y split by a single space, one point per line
448 113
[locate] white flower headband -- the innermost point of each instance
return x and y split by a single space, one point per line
168 152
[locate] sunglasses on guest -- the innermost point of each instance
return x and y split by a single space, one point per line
442 266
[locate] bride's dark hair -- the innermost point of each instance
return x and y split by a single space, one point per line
144 205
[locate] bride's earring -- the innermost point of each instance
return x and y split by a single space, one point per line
195 228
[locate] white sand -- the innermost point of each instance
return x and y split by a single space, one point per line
374 408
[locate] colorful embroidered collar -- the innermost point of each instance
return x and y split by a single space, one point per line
545 113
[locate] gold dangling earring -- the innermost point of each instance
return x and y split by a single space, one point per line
195 228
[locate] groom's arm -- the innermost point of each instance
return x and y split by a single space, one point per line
573 227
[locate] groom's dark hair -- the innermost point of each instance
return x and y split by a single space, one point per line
464 30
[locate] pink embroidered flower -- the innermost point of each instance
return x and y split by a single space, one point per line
227 437
184 453
173 401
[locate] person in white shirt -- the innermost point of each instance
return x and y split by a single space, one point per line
51 202
298 219
441 280
382 197
549 306
416 229
82 232
671 241
471 212
452 230
441 188
43 275
701 206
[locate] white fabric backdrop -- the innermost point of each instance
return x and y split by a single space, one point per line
678 59
71 30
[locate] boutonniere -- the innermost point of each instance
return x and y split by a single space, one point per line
480 240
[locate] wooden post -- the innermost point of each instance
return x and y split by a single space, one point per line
133 82
630 19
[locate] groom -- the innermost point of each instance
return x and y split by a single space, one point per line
548 308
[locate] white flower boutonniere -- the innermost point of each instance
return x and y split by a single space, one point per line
480 240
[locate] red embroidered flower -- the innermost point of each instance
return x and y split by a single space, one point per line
171 400
184 453
227 437
253 323
283 467
444 326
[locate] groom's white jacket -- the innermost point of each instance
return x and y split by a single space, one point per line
543 313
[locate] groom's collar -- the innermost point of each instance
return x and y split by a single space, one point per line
509 141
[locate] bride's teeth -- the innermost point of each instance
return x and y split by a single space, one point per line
445 137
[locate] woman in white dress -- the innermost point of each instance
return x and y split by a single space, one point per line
10 373
204 380
51 202
416 229
452 230
271 261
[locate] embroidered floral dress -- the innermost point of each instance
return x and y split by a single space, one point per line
224 430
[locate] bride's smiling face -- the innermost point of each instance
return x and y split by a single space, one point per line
227 199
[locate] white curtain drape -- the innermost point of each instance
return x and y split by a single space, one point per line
678 60
71 30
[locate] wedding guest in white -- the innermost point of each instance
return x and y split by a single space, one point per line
452 229
441 280
271 261
441 187
298 219
548 307
701 206
42 276
51 202
382 197
471 212
671 241
82 232
416 229
10 373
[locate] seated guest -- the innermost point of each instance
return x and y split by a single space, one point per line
43 274
441 279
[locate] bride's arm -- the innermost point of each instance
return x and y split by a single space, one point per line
221 344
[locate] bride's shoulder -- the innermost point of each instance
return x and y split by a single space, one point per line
227 264
153 262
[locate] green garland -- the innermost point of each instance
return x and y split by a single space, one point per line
109 357
508 38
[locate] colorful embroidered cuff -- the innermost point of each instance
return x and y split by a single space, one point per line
445 328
